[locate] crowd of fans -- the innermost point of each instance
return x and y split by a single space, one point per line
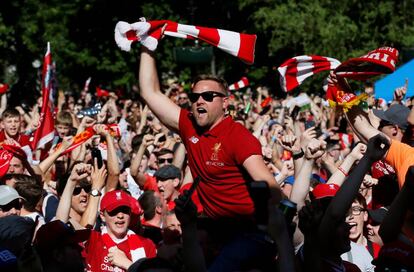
209 180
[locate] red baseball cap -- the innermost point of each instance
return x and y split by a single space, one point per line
325 190
114 199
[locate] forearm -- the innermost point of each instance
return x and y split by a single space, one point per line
50 160
179 156
88 219
63 209
148 77
346 194
112 164
338 177
302 183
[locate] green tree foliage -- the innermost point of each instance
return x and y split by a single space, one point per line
81 36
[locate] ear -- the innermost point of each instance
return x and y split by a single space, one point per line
158 209
176 182
225 103
365 216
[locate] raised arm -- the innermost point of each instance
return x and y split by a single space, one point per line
338 177
98 177
337 209
165 109
258 170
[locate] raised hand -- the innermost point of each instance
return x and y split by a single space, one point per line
358 151
315 149
101 130
79 172
98 175
307 136
290 143
400 92
377 147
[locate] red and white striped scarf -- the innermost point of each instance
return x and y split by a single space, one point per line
148 33
136 247
243 82
295 70
379 61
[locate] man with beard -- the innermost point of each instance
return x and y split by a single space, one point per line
221 152
223 155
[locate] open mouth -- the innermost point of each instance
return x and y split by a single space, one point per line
120 224
84 201
201 110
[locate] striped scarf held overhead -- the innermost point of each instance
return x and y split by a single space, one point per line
136 246
148 33
379 61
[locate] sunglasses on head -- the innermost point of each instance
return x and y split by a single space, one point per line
169 160
122 209
207 96
12 204
78 190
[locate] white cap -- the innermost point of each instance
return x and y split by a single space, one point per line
7 194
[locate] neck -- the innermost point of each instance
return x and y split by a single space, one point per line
74 215
216 122
114 236
24 212
360 240
156 221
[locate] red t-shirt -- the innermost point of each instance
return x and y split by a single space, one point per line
217 156
22 139
97 253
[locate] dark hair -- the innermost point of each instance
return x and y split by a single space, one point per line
164 151
217 79
149 202
29 189
361 200
150 264
10 112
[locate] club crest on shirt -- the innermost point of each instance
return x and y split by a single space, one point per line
194 139
216 149
118 196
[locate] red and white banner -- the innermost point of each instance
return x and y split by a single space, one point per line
45 132
379 61
243 82
295 70
148 33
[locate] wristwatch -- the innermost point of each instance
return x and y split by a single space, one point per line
95 192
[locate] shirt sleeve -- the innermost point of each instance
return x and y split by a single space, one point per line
246 144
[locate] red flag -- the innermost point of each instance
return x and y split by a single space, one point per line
101 92
45 132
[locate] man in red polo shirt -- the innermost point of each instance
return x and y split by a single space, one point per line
223 153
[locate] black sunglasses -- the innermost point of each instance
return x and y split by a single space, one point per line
170 160
78 190
12 204
207 96
122 209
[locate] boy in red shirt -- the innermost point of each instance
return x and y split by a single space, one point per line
116 247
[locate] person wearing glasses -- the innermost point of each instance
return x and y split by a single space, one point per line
218 147
10 201
223 155
356 218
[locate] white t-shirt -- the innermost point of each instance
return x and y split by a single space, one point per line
360 256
